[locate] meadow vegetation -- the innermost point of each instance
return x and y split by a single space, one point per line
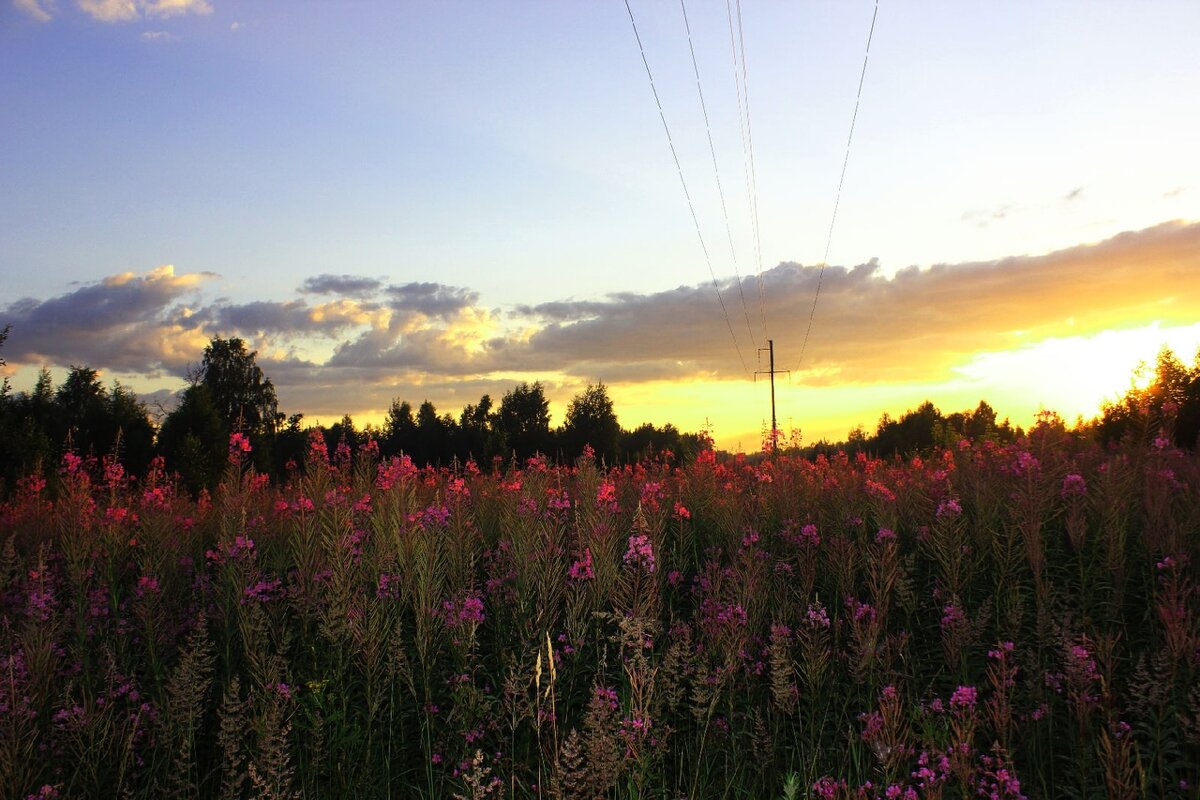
1011 620
999 615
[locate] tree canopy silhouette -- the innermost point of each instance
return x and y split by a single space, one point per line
243 397
591 420
523 420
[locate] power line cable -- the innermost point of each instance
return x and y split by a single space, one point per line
841 181
717 171
686 193
743 95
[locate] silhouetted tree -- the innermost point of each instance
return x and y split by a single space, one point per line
193 439
1171 401
291 443
476 439
81 410
433 436
399 429
912 433
646 441
342 432
26 431
523 420
591 420
130 430
4 387
243 397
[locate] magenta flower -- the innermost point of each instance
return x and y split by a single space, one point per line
238 444
964 698
640 552
582 569
948 508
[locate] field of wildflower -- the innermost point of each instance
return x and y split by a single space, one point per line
996 621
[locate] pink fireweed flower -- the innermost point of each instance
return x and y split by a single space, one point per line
880 492
238 445
1001 651
241 545
952 617
885 535
435 515
558 500
652 493
393 472
1073 486
389 586
466 613
42 602
147 584
640 552
681 511
32 485
582 569
116 515
262 592
816 617
471 611
318 450
1026 463
860 611
827 788
606 496
606 697
964 698
71 464
114 473
948 508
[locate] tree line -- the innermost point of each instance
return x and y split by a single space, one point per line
1168 406
228 392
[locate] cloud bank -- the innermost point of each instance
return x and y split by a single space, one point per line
350 343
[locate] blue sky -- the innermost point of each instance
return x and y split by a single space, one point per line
512 154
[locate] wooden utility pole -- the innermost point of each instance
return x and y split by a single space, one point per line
770 348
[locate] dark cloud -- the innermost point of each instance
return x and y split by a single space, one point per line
1074 194
343 285
869 327
431 299
128 322
294 317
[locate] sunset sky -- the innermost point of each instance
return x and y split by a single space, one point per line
437 200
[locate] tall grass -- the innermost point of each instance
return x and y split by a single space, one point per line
997 621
